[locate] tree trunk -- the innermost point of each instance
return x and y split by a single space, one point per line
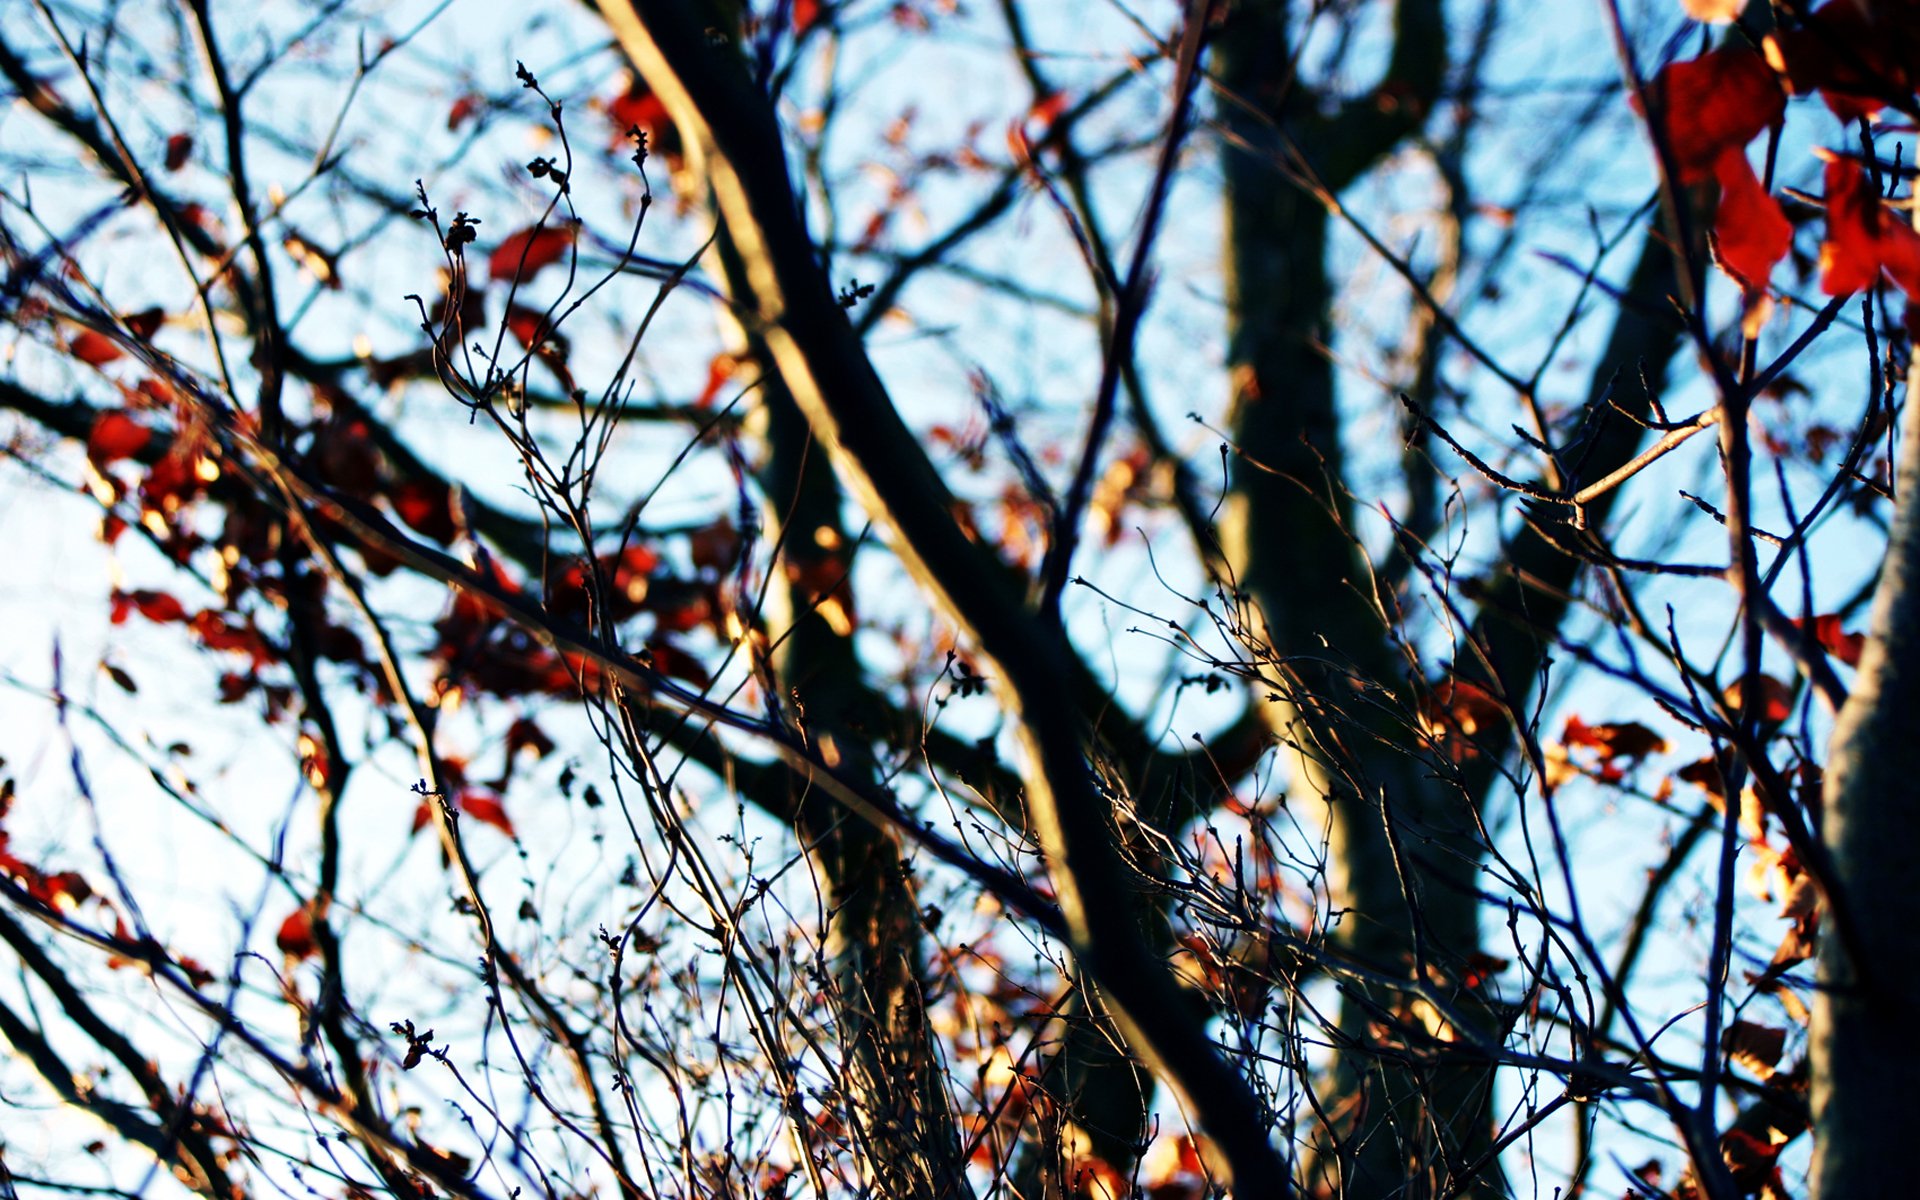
1399 1118
1865 1057
900 1116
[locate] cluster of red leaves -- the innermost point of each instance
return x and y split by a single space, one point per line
97 349
1707 110
64 890
343 455
477 647
1856 53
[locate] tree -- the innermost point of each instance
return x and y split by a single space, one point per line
918 769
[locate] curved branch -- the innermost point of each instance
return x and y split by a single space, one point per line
735 136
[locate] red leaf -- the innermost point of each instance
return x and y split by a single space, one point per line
630 571
529 327
463 110
524 734
426 505
218 632
676 663
1749 230
158 607
344 453
295 938
1836 641
169 483
1457 710
678 605
804 14
523 254
1719 101
179 149
636 107
143 325
116 436
487 809
93 348
1864 237
715 546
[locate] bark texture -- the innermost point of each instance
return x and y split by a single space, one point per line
1865 1057
1403 838
1402 899
903 1122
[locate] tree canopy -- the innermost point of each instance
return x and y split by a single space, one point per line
932 600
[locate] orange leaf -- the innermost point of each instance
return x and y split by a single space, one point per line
463 110
295 938
523 254
1712 11
94 349
1719 101
1457 710
1047 110
1749 230
719 370
1774 702
116 436
1614 739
